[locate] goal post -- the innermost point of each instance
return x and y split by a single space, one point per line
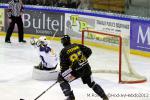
112 52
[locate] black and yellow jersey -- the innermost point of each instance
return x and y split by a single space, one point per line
74 56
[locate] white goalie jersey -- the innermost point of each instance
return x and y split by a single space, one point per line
48 57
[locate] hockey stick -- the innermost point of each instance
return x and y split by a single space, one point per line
53 36
45 90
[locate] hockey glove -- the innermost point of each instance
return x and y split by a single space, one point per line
33 41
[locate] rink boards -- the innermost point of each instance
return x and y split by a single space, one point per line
39 20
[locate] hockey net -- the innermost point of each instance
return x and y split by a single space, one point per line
111 55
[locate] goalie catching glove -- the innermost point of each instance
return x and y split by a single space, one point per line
33 41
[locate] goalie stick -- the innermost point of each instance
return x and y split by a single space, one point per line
53 36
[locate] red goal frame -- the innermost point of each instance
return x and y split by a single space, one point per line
120 54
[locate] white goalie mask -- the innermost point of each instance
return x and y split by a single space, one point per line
43 40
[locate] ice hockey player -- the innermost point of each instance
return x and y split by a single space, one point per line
47 55
74 64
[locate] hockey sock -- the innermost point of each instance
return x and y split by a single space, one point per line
65 88
97 89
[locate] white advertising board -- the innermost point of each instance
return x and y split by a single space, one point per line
74 24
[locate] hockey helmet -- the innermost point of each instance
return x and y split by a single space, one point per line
65 40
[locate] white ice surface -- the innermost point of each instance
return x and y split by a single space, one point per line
16 64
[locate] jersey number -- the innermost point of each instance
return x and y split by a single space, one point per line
77 57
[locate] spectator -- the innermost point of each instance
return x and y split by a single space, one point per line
4 1
84 4
48 2
72 3
61 3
